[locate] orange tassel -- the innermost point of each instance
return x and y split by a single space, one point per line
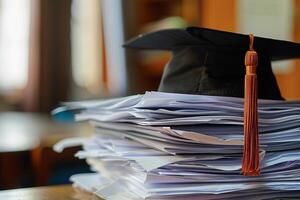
251 166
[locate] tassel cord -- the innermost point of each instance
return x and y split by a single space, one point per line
250 165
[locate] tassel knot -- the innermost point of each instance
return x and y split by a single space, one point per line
251 58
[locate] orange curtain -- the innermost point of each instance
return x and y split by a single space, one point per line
49 62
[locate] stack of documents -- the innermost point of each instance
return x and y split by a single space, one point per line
178 146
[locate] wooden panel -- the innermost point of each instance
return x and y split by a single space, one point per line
289 83
190 11
218 14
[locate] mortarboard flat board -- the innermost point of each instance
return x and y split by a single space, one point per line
211 62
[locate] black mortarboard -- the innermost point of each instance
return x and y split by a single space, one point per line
211 62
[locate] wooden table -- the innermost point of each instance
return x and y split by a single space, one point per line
34 134
61 192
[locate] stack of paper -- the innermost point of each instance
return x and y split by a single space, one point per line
177 146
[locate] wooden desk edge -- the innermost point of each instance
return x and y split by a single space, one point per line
59 192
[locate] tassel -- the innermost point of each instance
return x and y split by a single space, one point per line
251 166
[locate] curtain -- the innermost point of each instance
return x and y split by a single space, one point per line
49 60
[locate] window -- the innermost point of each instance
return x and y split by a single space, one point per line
87 55
14 44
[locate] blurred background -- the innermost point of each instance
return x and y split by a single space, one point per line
61 50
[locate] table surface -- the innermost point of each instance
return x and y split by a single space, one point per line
33 134
60 192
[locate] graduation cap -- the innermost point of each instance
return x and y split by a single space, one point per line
212 62
207 61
